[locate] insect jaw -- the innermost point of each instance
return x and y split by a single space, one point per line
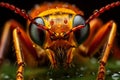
60 53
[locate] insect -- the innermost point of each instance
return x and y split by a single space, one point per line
59 33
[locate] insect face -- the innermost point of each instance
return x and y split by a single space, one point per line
59 48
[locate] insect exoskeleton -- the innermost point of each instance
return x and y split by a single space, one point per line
58 19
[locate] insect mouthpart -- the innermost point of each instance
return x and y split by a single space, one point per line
61 53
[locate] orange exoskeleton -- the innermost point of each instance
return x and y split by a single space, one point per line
58 32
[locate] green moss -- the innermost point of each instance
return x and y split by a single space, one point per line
84 72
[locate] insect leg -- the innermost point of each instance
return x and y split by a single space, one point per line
19 56
106 52
51 56
22 43
105 32
4 42
99 38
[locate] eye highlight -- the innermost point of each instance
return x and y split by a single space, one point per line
80 34
78 20
37 34
39 21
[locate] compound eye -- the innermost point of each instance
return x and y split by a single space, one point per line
78 20
80 34
37 34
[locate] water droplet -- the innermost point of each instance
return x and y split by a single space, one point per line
76 73
49 73
119 72
68 76
115 76
50 79
108 72
81 75
93 61
93 73
6 77
83 68
118 62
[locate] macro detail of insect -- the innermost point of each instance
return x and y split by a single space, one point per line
58 33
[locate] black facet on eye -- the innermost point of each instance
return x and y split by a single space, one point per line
37 34
80 34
